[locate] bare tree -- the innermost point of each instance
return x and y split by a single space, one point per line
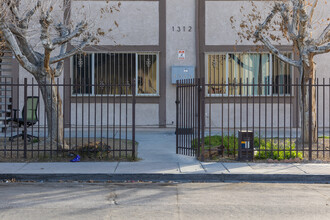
54 37
295 21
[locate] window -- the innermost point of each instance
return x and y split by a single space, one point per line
226 71
104 73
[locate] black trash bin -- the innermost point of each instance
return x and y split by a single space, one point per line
245 145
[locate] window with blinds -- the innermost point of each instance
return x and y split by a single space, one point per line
226 71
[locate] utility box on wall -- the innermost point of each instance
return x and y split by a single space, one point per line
182 72
245 145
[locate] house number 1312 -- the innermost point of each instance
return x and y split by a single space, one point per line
182 28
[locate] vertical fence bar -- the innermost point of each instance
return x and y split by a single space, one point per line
323 112
107 99
194 115
278 117
203 116
102 88
297 115
177 116
190 117
253 102
181 149
120 126
228 107
274 86
302 86
133 118
3 112
259 96
185 117
317 115
291 118
17 104
96 89
32 139
234 87
57 116
247 105
284 107
199 117
240 108
310 141
51 121
45 121
210 122
25 118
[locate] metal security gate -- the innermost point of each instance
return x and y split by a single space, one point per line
270 111
188 117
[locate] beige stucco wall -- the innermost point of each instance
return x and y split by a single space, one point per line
101 114
178 13
137 21
218 27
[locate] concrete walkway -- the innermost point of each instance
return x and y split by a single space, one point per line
159 162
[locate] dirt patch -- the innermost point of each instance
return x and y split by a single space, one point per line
89 149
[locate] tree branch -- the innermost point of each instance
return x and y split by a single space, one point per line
311 13
287 23
276 9
268 44
72 52
24 45
294 23
319 49
11 42
324 37
303 21
60 64
14 10
23 23
45 21
275 51
80 28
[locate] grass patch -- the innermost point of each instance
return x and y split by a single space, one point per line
276 149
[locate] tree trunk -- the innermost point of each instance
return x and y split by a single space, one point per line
53 108
305 108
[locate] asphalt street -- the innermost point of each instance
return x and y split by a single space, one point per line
82 200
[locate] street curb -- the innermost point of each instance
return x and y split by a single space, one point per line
274 178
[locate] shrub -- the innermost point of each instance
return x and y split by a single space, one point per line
263 149
277 151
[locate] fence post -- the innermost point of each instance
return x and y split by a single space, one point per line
198 116
25 117
177 102
310 119
202 97
133 119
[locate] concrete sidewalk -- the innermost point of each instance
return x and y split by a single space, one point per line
159 162
173 171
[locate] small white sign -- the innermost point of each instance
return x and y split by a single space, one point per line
181 54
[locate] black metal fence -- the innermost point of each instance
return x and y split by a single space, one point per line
98 121
209 117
